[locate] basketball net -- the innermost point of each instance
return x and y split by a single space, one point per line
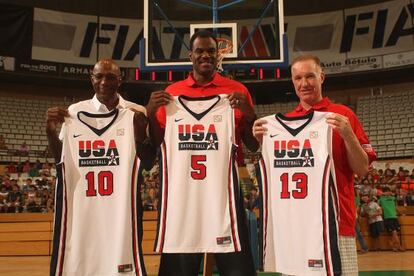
225 47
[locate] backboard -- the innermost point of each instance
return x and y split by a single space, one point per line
255 27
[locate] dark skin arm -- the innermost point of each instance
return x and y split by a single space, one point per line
145 150
55 116
157 99
248 138
239 100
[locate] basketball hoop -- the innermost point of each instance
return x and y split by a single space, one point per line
225 47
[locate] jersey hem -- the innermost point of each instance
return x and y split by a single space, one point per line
198 250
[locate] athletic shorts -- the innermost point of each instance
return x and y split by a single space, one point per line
376 228
392 224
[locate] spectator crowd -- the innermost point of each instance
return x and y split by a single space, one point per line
401 184
26 187
29 187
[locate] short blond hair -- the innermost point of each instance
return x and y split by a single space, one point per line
306 57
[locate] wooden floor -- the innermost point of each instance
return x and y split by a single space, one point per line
371 261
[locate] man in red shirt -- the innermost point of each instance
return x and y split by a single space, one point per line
352 152
204 81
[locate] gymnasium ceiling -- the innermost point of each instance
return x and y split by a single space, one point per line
134 8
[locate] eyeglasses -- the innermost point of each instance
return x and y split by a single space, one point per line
108 77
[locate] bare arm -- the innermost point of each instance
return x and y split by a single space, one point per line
155 131
248 139
259 129
362 211
357 157
239 100
157 99
379 211
145 150
54 117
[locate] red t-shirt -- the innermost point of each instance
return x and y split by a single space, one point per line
405 186
219 85
408 185
344 173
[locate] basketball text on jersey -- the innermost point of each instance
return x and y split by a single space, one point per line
296 178
97 198
293 153
197 137
198 168
97 153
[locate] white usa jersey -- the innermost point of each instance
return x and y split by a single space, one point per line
300 203
96 221
198 177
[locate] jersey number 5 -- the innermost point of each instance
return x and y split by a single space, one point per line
199 169
105 183
301 181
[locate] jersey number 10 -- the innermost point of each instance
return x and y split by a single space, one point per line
105 183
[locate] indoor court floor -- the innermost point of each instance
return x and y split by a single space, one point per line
384 263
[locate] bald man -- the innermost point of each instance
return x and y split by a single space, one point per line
106 80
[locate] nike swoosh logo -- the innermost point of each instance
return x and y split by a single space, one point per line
177 120
76 136
271 136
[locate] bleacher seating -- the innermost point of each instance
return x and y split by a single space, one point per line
387 119
263 110
22 119
389 123
268 109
